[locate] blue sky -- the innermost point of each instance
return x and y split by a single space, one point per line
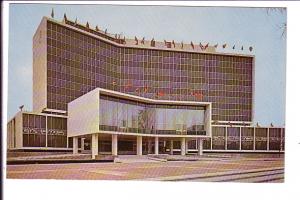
234 26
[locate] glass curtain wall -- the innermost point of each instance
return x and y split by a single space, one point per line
247 138
233 138
218 138
261 138
135 117
78 63
56 132
275 138
34 130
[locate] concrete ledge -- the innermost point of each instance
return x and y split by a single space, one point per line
63 158
157 159
57 161
209 175
165 158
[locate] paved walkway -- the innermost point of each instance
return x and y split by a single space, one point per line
134 168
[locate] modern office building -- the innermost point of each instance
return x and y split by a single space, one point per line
102 92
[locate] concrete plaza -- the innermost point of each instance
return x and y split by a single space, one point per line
215 169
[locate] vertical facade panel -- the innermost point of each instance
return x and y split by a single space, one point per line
275 138
247 138
218 138
261 138
233 138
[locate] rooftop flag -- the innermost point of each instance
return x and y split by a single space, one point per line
21 107
52 13
152 42
168 44
143 40
173 43
206 46
201 46
192 44
65 17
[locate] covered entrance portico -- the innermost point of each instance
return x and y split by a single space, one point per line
119 123
141 144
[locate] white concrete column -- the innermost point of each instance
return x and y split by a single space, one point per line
281 139
94 145
139 145
254 138
149 146
67 142
75 145
47 132
240 138
200 147
186 146
156 146
268 139
82 144
114 145
171 147
182 146
211 142
226 133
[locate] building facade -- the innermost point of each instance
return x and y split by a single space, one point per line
147 96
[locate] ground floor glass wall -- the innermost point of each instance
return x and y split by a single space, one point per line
218 138
251 138
247 138
36 131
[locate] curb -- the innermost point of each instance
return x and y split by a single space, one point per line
57 161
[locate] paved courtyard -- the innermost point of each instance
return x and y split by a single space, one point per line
240 169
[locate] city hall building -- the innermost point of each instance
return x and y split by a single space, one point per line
96 92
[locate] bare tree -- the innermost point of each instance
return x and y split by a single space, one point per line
283 26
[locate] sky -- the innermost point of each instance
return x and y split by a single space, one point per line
235 26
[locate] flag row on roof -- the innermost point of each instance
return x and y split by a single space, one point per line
168 44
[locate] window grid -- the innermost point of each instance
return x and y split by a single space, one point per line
77 63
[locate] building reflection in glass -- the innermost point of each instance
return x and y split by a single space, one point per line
130 116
